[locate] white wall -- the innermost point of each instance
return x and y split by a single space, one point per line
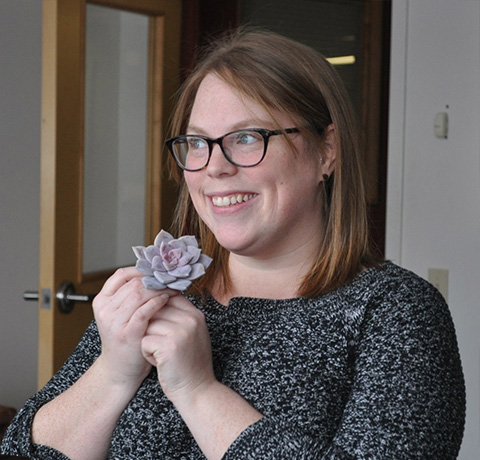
433 215
433 212
20 80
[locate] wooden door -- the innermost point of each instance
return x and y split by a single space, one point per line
63 188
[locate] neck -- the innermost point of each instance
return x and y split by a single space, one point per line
277 277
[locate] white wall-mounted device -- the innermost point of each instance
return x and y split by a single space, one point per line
440 125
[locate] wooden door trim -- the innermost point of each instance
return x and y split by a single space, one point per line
59 146
62 144
147 7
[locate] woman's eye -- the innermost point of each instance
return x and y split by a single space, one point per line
246 138
197 143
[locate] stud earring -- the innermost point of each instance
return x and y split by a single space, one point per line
325 177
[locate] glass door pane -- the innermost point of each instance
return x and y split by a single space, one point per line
116 88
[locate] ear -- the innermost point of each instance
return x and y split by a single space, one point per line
329 151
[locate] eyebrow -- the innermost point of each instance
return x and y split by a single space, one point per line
244 124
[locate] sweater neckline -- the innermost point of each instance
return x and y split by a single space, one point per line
369 274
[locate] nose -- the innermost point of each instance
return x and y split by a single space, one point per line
218 164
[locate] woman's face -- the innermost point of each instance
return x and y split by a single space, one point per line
277 204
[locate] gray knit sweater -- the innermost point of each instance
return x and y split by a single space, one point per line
369 371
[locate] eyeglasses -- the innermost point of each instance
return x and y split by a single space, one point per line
244 148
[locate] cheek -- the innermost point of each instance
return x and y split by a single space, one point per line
191 182
193 185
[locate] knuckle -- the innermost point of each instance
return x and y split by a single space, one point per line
98 304
119 272
137 283
198 316
192 322
136 296
141 315
101 316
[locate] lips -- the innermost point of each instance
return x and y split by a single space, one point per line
230 200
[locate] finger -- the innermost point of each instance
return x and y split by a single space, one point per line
161 326
182 303
128 295
122 303
172 292
152 347
170 318
134 294
140 319
172 313
117 310
127 280
118 279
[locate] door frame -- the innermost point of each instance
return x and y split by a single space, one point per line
62 144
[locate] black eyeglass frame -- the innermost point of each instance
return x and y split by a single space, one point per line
265 133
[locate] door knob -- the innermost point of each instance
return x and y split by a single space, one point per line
66 297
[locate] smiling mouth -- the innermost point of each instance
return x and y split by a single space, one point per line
230 200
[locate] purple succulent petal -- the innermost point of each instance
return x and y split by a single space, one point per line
189 240
181 272
197 271
163 250
177 244
152 283
166 250
144 267
163 236
171 259
157 264
180 285
138 251
175 253
150 252
185 259
195 252
164 278
205 260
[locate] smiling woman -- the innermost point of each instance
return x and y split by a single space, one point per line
264 85
297 342
284 205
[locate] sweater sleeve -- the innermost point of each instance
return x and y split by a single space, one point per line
17 440
407 398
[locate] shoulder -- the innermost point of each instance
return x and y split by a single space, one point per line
407 314
399 288
392 276
392 300
394 286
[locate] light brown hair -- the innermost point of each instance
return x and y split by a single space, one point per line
285 76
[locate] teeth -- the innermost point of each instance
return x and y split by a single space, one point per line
224 201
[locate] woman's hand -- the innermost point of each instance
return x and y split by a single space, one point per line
177 342
80 421
123 309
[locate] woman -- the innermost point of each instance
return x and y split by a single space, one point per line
297 343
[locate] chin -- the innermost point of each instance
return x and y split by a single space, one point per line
234 245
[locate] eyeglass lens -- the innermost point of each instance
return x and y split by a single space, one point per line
243 148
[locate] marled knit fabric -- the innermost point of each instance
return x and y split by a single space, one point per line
369 371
